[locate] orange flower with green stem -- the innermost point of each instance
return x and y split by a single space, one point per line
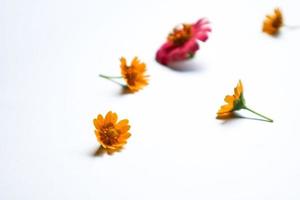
236 102
133 75
111 135
274 22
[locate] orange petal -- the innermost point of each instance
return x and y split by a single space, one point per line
238 90
225 109
124 129
107 117
277 12
100 118
123 62
225 115
99 121
229 99
124 136
111 117
97 124
114 118
135 62
140 68
122 125
122 122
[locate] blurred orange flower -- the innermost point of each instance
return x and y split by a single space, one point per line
134 74
273 23
111 135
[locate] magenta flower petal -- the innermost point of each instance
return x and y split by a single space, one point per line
201 29
163 54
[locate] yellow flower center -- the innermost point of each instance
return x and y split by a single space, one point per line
181 34
110 135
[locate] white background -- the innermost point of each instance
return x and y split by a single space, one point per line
51 53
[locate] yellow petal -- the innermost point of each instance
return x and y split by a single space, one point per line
125 136
111 117
100 120
225 108
97 124
225 115
135 62
123 62
122 125
238 90
229 99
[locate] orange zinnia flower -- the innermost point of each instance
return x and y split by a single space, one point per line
236 102
273 23
134 75
111 135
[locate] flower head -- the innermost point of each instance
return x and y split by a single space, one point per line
182 43
134 75
111 135
234 102
273 23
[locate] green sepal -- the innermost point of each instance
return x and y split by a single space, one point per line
190 55
240 103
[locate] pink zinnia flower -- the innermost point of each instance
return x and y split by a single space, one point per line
182 43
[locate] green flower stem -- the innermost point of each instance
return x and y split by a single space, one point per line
111 78
267 118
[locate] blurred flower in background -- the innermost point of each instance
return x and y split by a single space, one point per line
182 43
273 23
134 74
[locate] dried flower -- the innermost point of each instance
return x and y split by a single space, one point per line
273 23
134 75
182 43
236 102
111 135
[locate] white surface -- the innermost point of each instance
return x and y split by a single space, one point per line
51 53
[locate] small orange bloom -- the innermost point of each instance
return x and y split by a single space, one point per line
273 23
234 102
112 135
134 74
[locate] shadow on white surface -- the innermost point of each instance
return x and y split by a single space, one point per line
235 116
186 66
99 152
